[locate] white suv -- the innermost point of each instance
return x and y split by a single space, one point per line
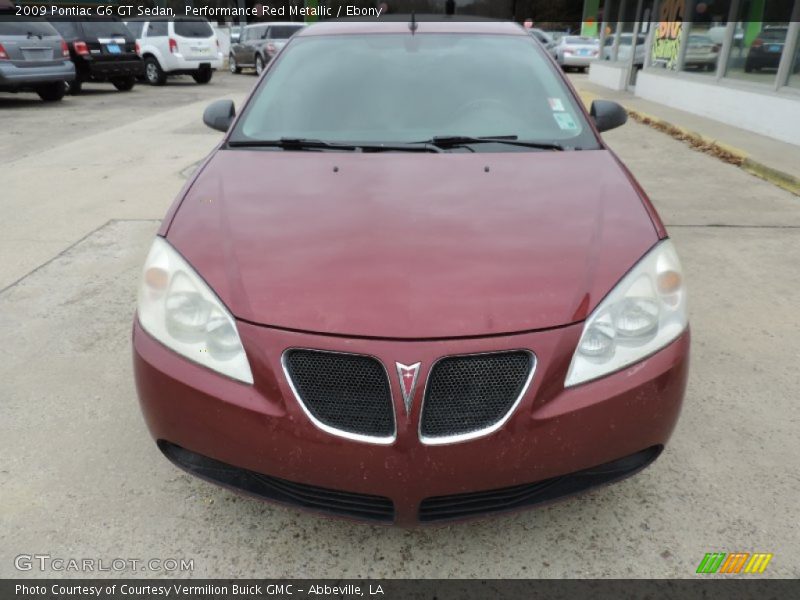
185 46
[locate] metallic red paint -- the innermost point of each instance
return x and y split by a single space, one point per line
389 247
410 258
553 431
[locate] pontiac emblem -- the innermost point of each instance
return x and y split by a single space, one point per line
408 381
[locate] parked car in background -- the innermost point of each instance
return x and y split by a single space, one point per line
576 51
259 43
245 51
103 51
624 52
701 52
35 58
766 50
185 46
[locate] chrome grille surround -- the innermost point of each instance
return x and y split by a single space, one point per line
484 431
351 435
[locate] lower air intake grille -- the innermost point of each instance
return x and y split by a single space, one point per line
347 393
472 504
311 497
468 395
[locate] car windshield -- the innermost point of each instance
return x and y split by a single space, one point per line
283 32
193 28
773 35
399 88
106 29
26 28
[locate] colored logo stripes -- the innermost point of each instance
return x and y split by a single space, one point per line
735 562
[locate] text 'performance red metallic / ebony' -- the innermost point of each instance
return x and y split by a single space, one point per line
412 285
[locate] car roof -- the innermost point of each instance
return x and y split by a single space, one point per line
425 24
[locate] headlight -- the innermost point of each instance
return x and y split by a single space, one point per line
642 314
178 309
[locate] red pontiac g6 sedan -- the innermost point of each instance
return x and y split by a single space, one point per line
412 285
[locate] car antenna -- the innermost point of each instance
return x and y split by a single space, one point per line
413 24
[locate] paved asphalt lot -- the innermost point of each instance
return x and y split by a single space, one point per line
83 186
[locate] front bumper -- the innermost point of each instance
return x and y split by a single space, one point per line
13 77
261 429
103 70
178 63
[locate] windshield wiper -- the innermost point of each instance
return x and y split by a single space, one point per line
312 144
453 141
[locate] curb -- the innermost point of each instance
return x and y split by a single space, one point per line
701 143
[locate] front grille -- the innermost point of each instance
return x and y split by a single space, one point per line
470 395
343 393
461 506
311 497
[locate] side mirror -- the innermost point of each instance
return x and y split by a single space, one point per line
607 115
219 115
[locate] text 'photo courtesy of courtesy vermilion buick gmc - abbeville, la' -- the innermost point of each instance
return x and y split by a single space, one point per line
412 284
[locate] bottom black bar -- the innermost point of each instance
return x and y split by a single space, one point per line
391 589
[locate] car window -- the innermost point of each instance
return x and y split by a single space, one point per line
282 32
773 35
103 29
136 28
193 28
396 88
157 29
67 29
38 28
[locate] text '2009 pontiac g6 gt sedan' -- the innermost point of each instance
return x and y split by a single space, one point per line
412 285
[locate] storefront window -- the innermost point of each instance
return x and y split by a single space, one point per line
794 74
706 33
760 40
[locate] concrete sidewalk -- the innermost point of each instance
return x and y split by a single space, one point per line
765 157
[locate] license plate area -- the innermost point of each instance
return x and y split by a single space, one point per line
37 53
113 48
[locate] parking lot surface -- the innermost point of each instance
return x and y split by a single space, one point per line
84 186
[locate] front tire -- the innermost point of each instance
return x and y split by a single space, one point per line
233 66
259 65
124 84
202 76
153 72
52 92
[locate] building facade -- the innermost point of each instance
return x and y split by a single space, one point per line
736 61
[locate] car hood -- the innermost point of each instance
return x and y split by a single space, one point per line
410 245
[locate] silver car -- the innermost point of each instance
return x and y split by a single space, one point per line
624 50
259 43
574 51
701 52
34 57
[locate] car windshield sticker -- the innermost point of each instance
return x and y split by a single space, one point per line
565 120
556 104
